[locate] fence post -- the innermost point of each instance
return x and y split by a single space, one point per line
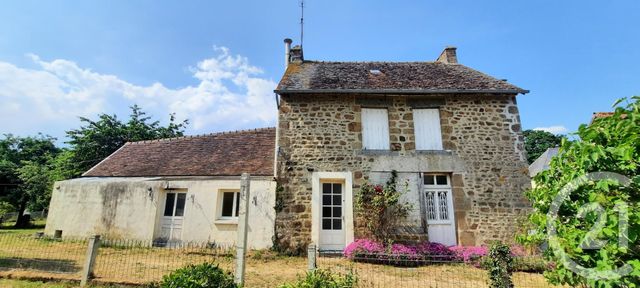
90 260
243 222
311 257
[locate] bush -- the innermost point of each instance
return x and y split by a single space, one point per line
202 276
321 278
370 251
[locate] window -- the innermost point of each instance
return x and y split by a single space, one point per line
426 125
230 204
435 179
174 204
331 206
375 129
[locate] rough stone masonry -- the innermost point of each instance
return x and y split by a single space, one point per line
483 152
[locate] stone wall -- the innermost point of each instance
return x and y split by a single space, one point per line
486 158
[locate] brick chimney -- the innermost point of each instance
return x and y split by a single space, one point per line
448 56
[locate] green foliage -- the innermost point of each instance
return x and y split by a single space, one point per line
380 208
320 278
537 141
499 264
98 139
609 144
24 172
198 276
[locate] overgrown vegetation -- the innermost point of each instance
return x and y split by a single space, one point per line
205 275
321 278
499 265
590 223
538 141
380 208
30 165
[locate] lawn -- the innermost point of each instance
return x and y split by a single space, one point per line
23 256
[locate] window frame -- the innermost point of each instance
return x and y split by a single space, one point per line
234 208
437 188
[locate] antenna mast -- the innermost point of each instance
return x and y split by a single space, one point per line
301 22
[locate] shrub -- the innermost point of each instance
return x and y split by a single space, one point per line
500 266
320 278
470 254
202 276
596 212
371 251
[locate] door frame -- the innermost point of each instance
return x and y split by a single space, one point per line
161 208
423 189
316 206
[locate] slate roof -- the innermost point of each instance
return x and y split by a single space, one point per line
219 154
394 77
542 163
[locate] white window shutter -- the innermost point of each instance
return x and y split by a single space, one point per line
426 124
375 129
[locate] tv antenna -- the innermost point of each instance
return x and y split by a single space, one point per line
301 22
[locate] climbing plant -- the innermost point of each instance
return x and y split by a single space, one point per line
380 207
499 265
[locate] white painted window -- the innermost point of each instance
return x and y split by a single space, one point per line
426 124
438 196
229 204
375 129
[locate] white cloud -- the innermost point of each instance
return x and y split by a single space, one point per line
553 129
230 94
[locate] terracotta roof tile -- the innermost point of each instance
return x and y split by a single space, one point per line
219 154
414 77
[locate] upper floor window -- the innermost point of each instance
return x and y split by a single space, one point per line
426 124
375 129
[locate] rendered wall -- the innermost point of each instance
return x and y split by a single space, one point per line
130 208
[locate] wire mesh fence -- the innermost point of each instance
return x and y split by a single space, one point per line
135 262
25 255
432 271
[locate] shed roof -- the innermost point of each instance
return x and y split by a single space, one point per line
543 161
219 154
389 77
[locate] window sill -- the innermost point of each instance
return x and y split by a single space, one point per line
378 152
226 221
440 152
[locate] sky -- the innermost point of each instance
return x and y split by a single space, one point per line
216 63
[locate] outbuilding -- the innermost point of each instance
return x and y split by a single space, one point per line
182 189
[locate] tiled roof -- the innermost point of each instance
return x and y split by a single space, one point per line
219 154
390 77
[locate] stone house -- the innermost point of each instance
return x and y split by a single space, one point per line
452 133
183 189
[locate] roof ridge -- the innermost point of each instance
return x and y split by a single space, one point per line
373 61
200 135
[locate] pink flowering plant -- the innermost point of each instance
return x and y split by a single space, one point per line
397 254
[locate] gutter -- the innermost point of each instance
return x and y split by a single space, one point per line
400 91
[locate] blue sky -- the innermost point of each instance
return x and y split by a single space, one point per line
216 62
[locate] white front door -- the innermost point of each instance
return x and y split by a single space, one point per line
332 232
173 216
438 204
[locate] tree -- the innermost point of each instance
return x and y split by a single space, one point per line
589 223
538 141
96 140
24 177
